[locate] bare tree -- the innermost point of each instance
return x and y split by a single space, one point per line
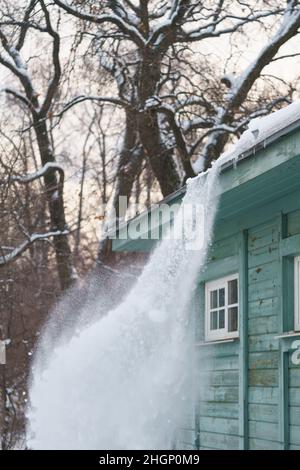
39 109
28 286
144 45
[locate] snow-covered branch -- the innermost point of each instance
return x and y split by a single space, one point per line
46 169
126 27
240 86
176 15
213 29
15 64
19 250
17 95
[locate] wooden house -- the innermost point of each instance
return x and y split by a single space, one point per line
247 306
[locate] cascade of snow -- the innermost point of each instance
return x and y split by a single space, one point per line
123 382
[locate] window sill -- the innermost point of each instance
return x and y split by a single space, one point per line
289 334
217 341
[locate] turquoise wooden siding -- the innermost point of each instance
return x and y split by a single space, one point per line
293 223
217 379
247 390
263 325
242 399
294 406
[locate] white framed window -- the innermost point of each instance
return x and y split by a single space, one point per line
222 308
297 293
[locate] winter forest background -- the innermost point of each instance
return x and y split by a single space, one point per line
101 99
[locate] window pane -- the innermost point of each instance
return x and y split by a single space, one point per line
214 299
233 292
232 319
221 297
214 320
221 319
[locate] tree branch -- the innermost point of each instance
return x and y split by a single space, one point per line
127 28
56 63
19 250
101 99
25 24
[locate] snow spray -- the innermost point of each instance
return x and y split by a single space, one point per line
124 380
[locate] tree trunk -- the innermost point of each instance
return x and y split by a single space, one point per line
129 165
160 156
130 162
54 194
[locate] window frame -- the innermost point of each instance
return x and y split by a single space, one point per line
297 293
217 284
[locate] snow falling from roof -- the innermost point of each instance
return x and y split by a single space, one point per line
124 382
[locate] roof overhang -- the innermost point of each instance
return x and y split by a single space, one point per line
265 172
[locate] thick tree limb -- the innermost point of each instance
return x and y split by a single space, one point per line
127 28
19 250
241 85
46 169
52 89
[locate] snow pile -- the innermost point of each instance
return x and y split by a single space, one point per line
124 382
260 129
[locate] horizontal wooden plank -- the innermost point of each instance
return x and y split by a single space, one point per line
263 255
263 395
264 360
264 290
219 441
263 236
264 325
218 363
295 435
290 246
263 444
206 448
221 350
294 394
220 394
293 223
224 378
261 430
219 425
293 447
263 378
263 343
293 366
263 307
224 248
264 413
295 377
265 272
219 268
295 415
219 410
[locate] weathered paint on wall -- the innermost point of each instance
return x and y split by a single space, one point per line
247 391
249 400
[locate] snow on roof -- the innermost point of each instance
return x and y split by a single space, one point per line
261 129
